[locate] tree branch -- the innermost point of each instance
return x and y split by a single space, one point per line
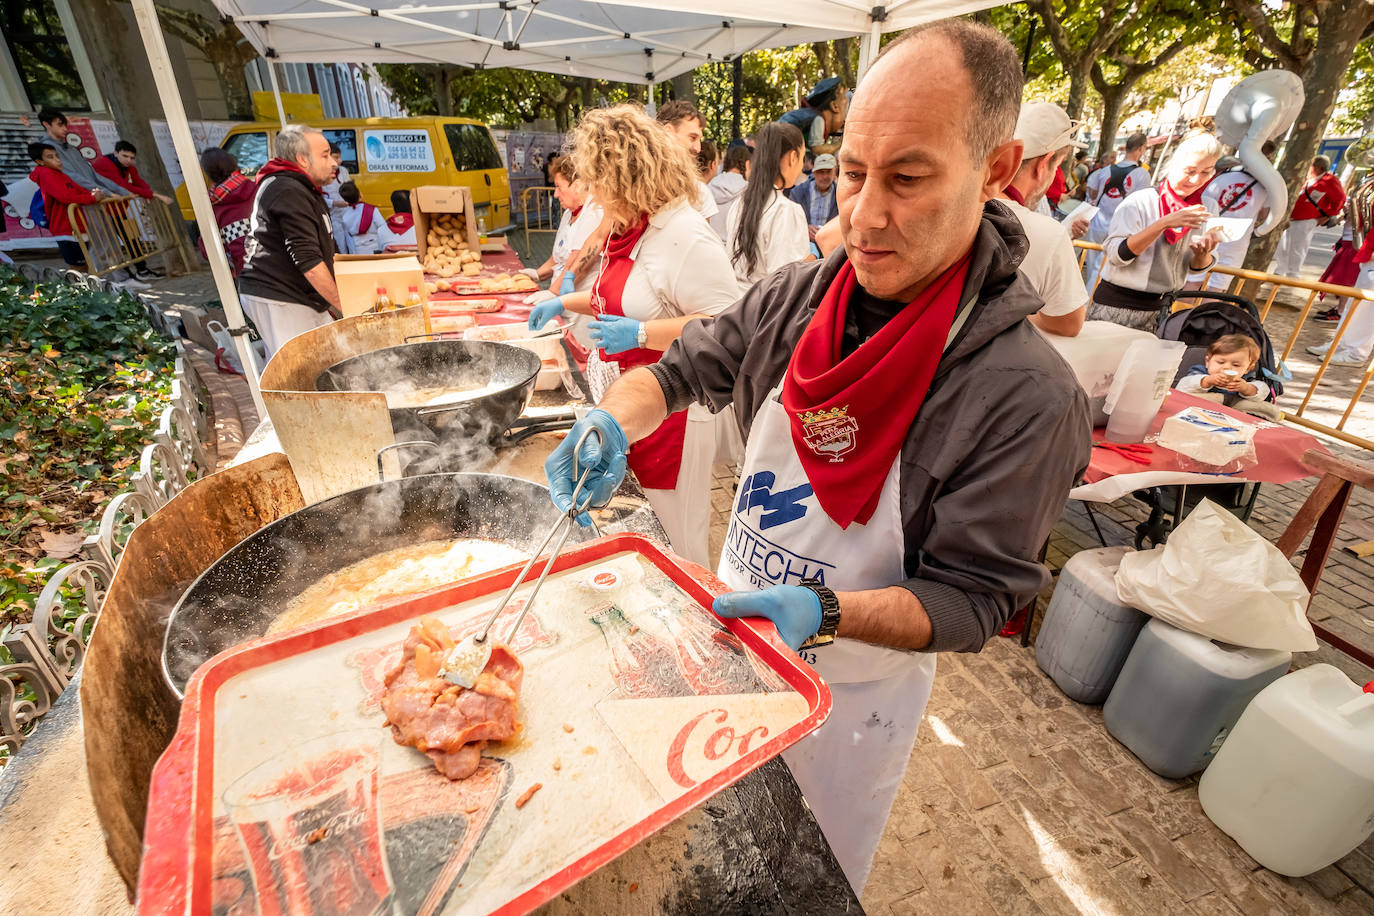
1254 15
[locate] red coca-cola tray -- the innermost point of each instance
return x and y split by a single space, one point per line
283 792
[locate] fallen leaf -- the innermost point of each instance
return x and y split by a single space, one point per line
60 545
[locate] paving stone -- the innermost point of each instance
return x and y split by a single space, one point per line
1355 902
979 705
1099 789
968 785
1173 813
1231 870
920 903
907 819
947 878
981 747
1152 893
1297 895
1020 797
1359 867
1007 834
1185 877
1330 882
1213 905
1029 760
891 877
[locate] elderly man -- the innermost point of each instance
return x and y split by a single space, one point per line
817 194
912 437
1046 134
287 284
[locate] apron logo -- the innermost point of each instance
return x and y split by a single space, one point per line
831 433
778 508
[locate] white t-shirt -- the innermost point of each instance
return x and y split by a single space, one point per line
782 238
725 188
1050 265
705 203
1106 204
362 242
573 233
1246 199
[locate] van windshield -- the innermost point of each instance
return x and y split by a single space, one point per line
471 147
250 150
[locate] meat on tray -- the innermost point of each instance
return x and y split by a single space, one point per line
449 723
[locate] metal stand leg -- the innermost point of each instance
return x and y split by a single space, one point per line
1088 507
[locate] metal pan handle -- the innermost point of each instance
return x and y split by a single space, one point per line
412 443
443 335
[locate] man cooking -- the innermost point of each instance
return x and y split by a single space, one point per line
911 438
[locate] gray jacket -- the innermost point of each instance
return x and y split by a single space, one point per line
79 169
985 470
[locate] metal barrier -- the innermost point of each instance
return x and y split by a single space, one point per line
542 213
119 232
1240 276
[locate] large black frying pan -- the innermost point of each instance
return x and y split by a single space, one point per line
444 364
238 597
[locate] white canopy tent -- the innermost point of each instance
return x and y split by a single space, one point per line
640 43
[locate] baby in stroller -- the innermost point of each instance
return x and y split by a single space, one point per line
1230 369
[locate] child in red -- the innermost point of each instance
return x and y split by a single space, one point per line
59 191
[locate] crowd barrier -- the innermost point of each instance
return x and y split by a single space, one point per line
120 232
537 212
1239 277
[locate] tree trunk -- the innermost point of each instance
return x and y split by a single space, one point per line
117 54
683 89
1337 37
562 113
1078 90
443 91
844 61
736 90
1111 115
822 51
229 54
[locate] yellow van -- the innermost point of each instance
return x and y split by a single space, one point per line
389 154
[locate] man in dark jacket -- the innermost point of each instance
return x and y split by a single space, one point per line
911 438
287 284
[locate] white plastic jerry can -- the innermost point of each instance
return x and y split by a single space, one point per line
1294 783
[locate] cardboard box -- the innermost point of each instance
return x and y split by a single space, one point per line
441 199
359 275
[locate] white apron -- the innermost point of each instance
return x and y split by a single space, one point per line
851 767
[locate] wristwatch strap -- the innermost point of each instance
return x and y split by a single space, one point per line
642 337
830 614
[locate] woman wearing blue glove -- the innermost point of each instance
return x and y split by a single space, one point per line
662 267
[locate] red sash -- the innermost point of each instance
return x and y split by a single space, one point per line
850 414
1169 201
365 221
657 458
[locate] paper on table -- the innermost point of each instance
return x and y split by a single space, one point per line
1085 210
1228 228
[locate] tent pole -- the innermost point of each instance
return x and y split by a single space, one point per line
180 128
651 108
276 90
869 51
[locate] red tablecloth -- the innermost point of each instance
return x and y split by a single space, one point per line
1278 452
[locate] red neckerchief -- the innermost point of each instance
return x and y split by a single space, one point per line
277 166
365 221
1169 202
1010 191
574 212
401 223
850 415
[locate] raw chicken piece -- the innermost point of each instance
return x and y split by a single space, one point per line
447 722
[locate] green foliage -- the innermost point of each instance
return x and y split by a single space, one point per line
1357 96
83 380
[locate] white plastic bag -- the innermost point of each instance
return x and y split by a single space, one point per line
1217 578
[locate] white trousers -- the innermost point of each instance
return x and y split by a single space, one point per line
1357 343
1297 239
685 510
279 321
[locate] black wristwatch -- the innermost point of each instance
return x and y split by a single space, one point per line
830 614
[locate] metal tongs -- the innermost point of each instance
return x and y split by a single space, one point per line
467 660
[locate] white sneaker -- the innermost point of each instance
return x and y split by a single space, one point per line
133 283
1349 360
1319 350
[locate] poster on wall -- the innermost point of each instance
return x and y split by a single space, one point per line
398 151
204 134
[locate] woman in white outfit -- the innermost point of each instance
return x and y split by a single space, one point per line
767 229
662 268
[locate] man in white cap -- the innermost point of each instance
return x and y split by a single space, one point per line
817 194
1046 133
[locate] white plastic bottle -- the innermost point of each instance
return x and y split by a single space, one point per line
1294 783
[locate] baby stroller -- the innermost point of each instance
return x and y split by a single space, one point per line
1215 315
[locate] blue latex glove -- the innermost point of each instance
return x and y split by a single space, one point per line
545 312
614 333
605 455
794 610
568 282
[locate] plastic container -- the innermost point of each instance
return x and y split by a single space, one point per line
1294 784
1139 386
1087 632
1094 356
1179 695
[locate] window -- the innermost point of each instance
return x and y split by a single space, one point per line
250 150
42 55
347 141
471 147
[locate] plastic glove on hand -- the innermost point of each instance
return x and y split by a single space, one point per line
569 283
614 333
545 312
531 273
794 610
604 454
535 298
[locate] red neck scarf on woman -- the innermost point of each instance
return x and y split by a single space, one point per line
575 211
850 415
619 245
1011 191
401 223
1169 201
